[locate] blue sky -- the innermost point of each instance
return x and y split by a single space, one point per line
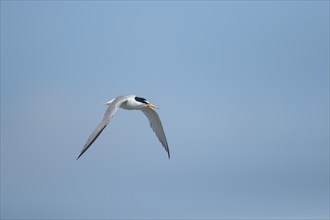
243 91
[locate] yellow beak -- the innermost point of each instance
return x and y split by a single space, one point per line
151 105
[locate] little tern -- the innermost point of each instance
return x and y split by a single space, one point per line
129 102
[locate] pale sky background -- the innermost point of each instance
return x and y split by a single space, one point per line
243 91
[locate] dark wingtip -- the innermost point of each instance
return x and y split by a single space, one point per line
80 155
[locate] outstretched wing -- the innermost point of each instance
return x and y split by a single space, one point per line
156 126
111 111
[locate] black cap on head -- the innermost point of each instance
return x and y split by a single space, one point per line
143 100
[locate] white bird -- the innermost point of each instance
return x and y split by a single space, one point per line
129 102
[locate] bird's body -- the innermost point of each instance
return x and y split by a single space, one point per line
129 102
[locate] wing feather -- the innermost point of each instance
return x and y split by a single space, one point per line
110 112
156 126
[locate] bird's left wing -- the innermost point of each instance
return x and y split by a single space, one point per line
111 111
157 127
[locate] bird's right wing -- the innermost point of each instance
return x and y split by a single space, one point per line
157 127
110 112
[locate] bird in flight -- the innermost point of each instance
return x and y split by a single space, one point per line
129 102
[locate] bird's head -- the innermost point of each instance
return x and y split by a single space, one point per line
145 102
